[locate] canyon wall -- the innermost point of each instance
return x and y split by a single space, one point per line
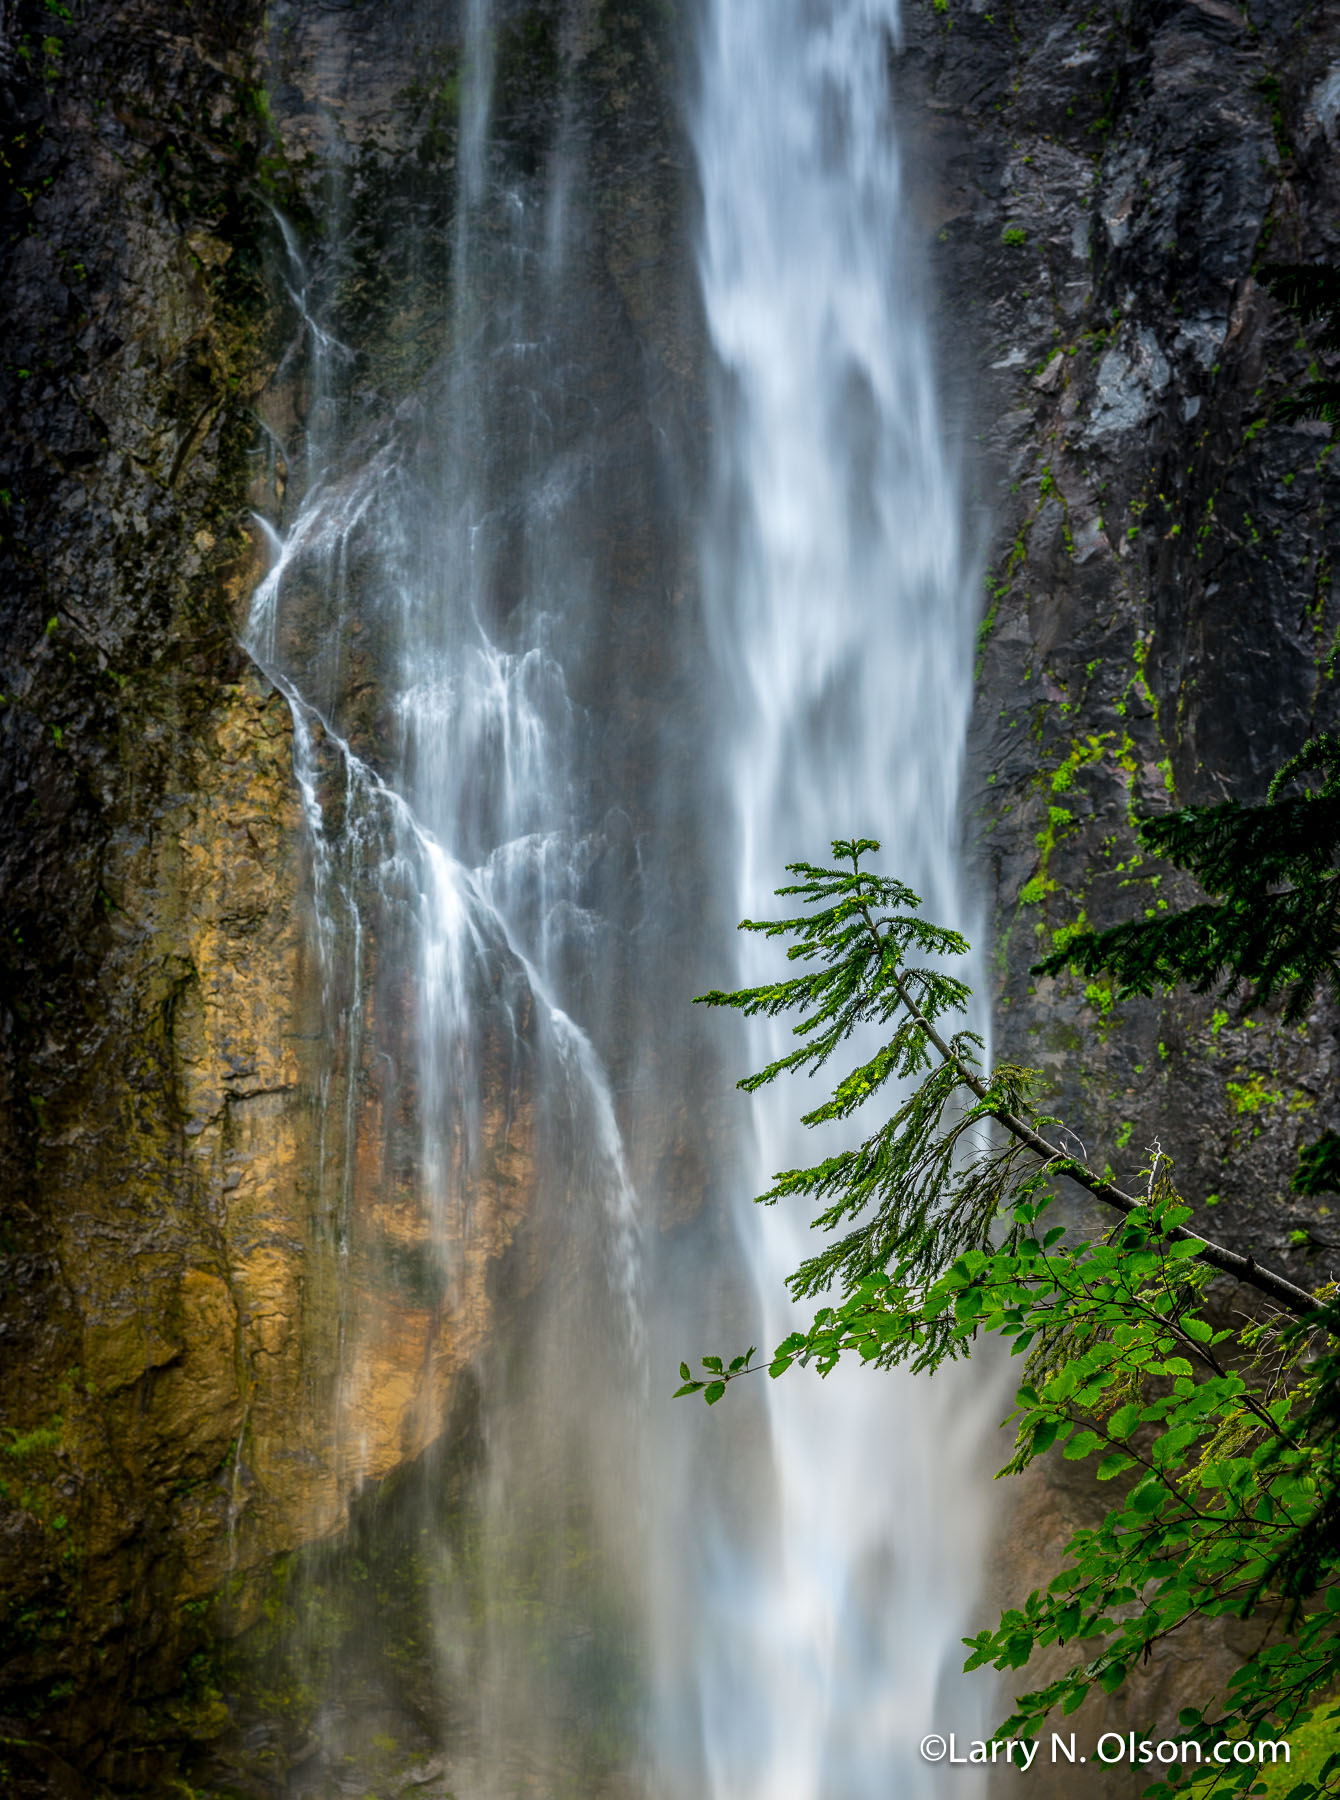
155 1124
216 1333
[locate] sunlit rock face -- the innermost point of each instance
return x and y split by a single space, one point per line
152 984
177 1278
225 1306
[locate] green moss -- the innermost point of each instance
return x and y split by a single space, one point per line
1139 682
1086 751
1100 997
1072 929
43 1438
1252 1095
984 630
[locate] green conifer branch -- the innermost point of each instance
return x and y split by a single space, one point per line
921 1189
1272 924
1278 1287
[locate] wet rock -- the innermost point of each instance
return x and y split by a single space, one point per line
223 1305
1129 380
1159 616
167 1278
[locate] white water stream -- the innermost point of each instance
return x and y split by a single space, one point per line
841 611
789 1575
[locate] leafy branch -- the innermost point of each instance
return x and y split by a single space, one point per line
1224 1446
1272 925
935 1182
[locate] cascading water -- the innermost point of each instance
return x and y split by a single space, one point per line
840 613
628 1597
457 839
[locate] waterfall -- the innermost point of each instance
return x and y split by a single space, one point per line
512 754
459 840
840 611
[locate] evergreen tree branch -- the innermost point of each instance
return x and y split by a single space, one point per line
1273 920
1279 1288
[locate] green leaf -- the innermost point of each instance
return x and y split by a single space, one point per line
1185 1249
1116 1464
715 1390
1062 1385
1082 1445
1044 1435
1124 1421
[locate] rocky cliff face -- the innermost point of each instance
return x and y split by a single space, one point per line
215 1325
1100 186
1160 625
169 1312
151 966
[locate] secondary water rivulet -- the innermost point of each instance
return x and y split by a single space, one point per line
763 1603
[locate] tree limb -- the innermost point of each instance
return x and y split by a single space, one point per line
1280 1289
